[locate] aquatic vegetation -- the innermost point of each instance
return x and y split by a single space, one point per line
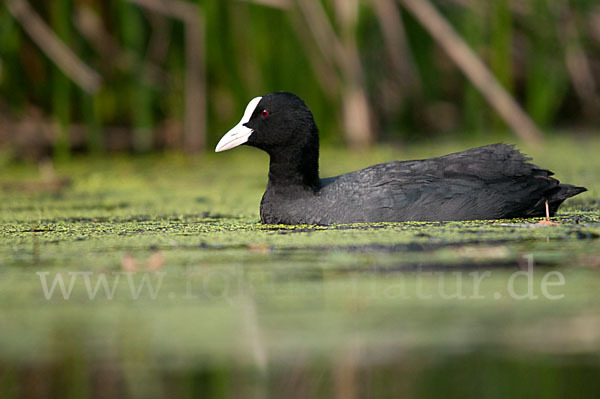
227 291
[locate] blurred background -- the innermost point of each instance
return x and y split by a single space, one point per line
93 77
88 88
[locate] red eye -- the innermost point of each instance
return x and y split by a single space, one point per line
264 113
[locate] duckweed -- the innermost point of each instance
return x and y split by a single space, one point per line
233 291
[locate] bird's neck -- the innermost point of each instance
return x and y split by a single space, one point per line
293 169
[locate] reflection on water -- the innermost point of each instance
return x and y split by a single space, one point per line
481 373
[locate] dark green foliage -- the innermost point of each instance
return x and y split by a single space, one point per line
60 12
546 77
252 49
472 27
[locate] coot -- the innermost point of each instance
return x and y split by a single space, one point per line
491 182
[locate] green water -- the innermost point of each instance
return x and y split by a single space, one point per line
172 288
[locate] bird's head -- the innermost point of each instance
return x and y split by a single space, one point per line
274 123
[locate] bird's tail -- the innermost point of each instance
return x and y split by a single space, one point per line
560 193
555 196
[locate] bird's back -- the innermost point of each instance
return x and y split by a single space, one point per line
490 182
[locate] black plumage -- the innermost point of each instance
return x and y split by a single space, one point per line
491 182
